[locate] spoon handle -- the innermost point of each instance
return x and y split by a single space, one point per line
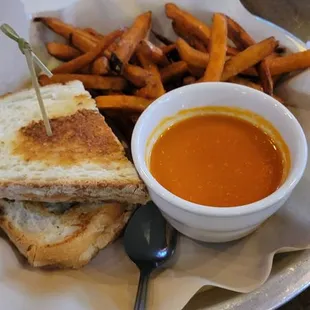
140 303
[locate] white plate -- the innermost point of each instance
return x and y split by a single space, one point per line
291 272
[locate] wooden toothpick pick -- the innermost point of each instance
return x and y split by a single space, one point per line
31 58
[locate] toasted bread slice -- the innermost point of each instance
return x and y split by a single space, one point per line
61 234
82 161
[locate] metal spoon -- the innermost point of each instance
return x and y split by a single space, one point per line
149 242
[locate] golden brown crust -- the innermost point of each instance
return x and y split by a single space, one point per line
97 229
83 136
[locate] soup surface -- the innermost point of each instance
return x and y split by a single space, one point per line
217 160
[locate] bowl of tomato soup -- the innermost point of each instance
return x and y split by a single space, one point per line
218 158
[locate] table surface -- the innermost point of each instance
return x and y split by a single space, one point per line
294 16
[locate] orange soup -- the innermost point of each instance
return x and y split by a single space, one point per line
217 160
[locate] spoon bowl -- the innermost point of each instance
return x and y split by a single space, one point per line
149 242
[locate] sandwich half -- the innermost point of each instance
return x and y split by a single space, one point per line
62 235
82 161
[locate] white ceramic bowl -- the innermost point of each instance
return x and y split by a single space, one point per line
210 223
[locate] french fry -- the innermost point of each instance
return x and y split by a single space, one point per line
112 47
155 53
173 71
147 92
168 48
85 44
232 51
189 80
154 87
64 29
108 52
245 82
272 56
100 66
62 51
243 40
78 63
288 63
89 81
193 25
250 72
217 48
146 62
83 60
94 32
195 43
190 55
81 42
122 102
110 38
238 35
56 25
129 41
136 75
182 32
87 35
85 70
161 38
187 24
248 58
265 77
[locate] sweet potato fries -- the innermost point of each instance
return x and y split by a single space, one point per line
130 40
217 49
126 71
